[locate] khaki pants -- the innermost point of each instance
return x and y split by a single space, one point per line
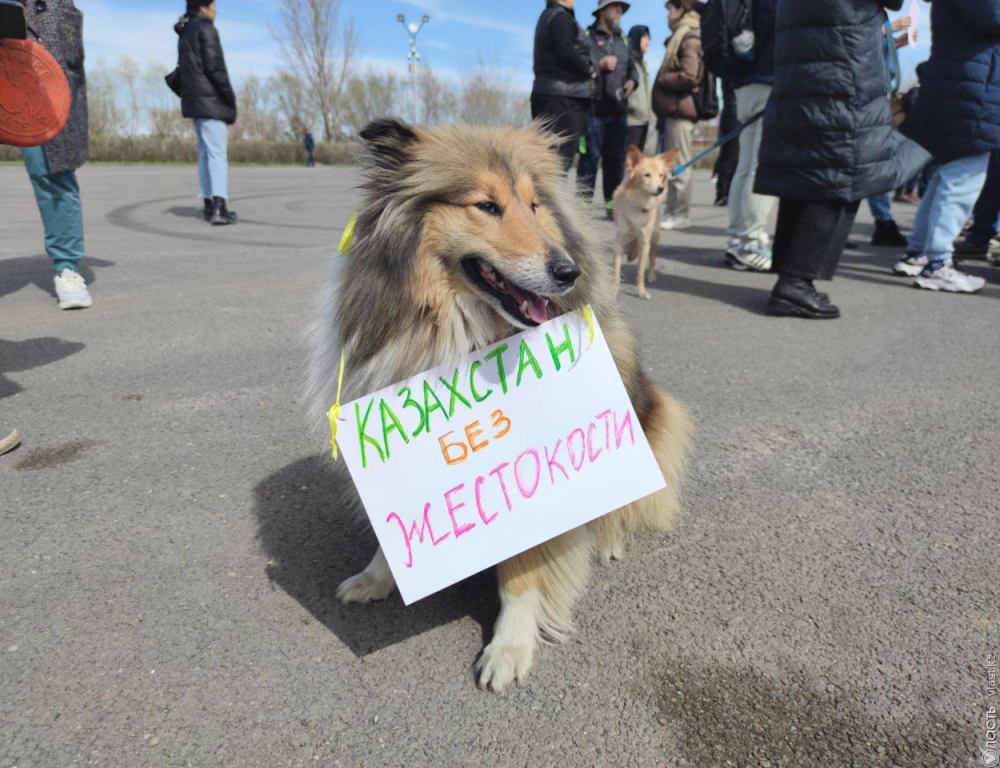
679 133
748 211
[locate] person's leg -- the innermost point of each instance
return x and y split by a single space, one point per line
886 231
753 210
565 119
679 134
215 134
879 206
986 212
58 198
204 180
586 172
615 138
959 185
637 136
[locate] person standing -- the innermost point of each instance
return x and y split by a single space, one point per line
564 75
749 247
310 144
827 140
673 98
58 25
207 97
607 128
640 103
981 239
957 119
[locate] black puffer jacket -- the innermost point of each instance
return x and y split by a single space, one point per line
205 88
828 126
562 57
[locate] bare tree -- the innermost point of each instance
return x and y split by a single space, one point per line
438 102
369 96
129 77
162 107
258 119
104 115
319 47
292 104
487 99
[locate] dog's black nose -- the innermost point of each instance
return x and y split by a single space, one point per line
565 272
659 190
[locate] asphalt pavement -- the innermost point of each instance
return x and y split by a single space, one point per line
170 544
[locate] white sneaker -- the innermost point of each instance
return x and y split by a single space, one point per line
72 290
910 265
675 222
947 278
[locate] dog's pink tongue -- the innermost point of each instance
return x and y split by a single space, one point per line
536 304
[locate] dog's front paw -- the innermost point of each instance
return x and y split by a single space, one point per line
643 294
500 665
364 588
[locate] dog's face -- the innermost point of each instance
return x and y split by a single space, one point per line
489 215
650 174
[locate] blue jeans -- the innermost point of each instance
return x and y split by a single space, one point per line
606 137
879 205
945 206
213 166
986 214
58 198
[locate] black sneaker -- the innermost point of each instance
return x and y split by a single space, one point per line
966 250
220 213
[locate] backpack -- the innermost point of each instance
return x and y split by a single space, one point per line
727 38
706 97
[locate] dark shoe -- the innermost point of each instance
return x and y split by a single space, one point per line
966 250
209 208
220 213
722 201
793 296
887 233
851 245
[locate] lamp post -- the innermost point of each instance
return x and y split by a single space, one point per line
414 58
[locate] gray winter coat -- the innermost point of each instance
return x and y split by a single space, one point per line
828 125
58 25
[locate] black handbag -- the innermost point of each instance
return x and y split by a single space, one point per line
173 80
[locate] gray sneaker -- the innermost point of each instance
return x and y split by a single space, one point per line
947 278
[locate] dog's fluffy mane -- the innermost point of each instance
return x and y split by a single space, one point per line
376 303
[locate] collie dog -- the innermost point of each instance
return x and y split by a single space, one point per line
466 236
638 201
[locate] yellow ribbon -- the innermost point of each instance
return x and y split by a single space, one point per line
348 237
588 315
335 408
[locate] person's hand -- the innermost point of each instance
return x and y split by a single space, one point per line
608 63
629 87
903 22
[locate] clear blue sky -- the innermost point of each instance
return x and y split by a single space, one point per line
459 33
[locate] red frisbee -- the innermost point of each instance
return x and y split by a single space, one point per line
34 95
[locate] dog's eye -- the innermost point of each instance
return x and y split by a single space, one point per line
534 207
488 206
647 175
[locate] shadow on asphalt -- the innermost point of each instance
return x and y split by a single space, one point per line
743 297
21 271
31 353
313 545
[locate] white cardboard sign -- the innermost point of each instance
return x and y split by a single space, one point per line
462 467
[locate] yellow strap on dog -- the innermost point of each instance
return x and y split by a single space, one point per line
588 315
335 408
348 237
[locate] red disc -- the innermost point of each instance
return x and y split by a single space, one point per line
34 95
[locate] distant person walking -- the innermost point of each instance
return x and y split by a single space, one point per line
58 25
640 103
957 119
310 144
564 75
673 98
607 128
828 140
207 97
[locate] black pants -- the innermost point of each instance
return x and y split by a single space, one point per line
729 154
606 141
810 237
567 117
637 135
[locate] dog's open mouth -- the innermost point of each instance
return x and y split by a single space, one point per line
520 303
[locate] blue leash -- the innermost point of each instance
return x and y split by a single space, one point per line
724 140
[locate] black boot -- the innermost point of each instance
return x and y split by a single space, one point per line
797 297
220 213
887 233
209 208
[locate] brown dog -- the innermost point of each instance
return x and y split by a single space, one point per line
638 200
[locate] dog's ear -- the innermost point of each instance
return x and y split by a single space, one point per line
633 155
389 139
670 157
